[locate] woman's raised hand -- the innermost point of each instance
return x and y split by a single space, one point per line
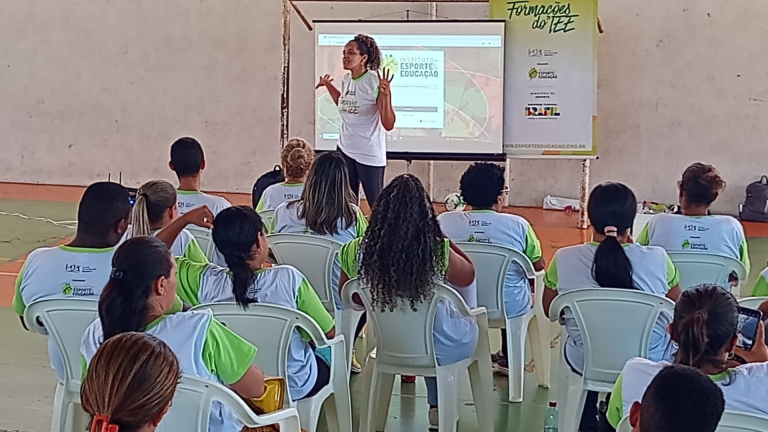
200 216
325 81
385 80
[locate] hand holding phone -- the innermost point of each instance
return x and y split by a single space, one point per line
749 320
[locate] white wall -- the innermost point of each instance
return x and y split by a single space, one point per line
89 87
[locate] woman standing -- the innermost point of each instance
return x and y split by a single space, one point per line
365 104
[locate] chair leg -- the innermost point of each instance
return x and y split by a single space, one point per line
341 402
562 394
348 320
60 409
481 382
447 398
309 413
366 408
544 326
541 358
383 385
517 329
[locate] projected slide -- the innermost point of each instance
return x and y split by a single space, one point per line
447 88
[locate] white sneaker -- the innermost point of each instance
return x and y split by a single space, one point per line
433 419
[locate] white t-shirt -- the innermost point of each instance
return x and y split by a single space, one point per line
722 235
189 200
287 220
185 245
745 388
363 137
62 272
278 285
653 272
279 193
488 226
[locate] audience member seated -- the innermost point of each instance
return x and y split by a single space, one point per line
679 399
761 286
155 208
130 384
610 261
705 330
296 158
695 229
188 162
401 255
138 298
482 187
238 233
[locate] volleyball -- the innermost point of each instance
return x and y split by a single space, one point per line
454 202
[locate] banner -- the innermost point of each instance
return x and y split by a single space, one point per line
550 97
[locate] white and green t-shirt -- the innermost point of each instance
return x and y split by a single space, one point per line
363 137
761 286
653 272
189 200
721 235
279 285
745 388
185 245
489 226
287 220
205 349
279 193
453 332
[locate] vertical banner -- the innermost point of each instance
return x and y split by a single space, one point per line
550 96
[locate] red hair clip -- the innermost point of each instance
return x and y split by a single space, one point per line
101 423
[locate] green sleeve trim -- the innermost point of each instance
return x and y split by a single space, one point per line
744 254
362 224
83 367
225 354
309 302
189 276
616 405
260 207
644 239
761 287
348 258
673 276
550 277
447 246
532 245
195 253
18 301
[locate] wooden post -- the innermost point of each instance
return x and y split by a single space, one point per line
431 164
286 74
508 172
583 219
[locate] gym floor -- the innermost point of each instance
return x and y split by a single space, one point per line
33 216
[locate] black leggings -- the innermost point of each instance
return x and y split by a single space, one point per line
323 377
372 178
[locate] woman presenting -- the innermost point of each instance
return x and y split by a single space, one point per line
365 104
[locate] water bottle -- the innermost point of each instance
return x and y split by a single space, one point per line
550 418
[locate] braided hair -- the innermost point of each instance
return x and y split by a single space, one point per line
403 251
367 46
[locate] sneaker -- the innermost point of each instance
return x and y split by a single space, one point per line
355 368
501 367
407 379
433 419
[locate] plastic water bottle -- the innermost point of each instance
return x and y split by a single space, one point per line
550 418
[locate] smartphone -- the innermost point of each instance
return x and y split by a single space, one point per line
747 330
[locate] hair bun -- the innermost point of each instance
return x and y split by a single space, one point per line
297 157
712 180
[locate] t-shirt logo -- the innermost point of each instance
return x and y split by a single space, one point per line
67 290
686 244
71 268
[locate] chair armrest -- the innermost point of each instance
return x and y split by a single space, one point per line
273 417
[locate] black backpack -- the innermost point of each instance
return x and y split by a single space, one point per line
272 177
755 207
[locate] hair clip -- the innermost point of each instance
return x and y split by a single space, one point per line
101 423
116 274
611 231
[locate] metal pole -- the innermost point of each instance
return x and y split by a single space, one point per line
583 219
286 74
431 164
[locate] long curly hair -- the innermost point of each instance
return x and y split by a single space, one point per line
403 251
367 46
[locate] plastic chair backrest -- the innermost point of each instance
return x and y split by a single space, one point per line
615 325
491 266
698 268
192 404
204 238
268 327
313 256
752 302
267 216
405 337
730 422
64 320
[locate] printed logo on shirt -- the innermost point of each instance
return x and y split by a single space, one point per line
694 227
699 246
290 196
477 239
71 268
182 205
78 290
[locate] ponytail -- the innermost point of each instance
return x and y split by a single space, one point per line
692 339
612 208
611 267
153 199
236 231
136 266
131 380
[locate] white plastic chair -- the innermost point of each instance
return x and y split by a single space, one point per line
752 302
615 325
698 268
491 265
731 421
405 346
64 321
267 216
314 257
269 327
192 403
204 238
